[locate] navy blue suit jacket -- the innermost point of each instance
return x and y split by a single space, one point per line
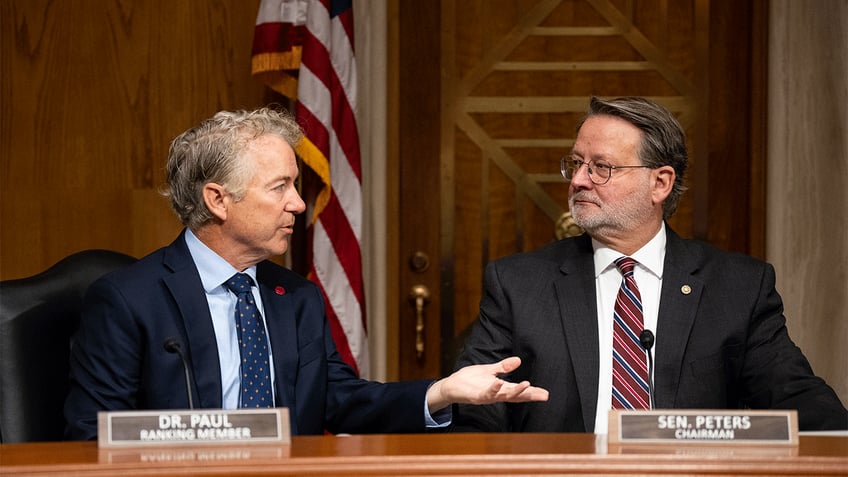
118 361
721 339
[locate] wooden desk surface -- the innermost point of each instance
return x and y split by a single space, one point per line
431 454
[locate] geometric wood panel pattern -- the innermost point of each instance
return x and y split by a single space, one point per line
516 80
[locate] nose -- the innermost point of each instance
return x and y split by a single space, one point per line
580 178
296 205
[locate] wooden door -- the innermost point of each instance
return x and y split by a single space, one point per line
484 99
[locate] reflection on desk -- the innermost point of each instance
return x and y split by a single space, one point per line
147 455
431 454
824 433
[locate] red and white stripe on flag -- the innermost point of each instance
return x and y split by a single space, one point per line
326 105
277 44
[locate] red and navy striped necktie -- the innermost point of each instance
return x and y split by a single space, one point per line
629 358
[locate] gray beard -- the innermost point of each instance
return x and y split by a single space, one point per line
626 217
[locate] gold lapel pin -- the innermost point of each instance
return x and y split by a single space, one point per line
686 289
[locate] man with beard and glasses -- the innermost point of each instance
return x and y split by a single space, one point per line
574 310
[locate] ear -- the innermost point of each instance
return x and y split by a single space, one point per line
217 200
663 180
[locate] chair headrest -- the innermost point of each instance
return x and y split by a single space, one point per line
71 275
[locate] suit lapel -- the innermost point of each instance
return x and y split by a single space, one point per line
579 313
187 291
680 295
282 328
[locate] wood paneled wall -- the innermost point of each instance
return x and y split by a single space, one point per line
91 94
514 79
807 178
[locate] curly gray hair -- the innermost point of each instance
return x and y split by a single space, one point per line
210 152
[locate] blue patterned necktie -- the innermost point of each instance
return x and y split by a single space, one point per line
253 345
629 366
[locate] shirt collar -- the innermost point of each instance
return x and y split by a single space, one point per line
213 269
650 257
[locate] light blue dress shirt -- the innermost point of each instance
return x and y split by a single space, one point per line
214 271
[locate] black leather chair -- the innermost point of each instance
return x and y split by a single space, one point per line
38 317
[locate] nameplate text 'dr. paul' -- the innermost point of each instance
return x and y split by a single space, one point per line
197 427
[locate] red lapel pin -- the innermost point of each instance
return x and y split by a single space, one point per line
280 290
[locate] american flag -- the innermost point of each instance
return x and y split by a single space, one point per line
304 50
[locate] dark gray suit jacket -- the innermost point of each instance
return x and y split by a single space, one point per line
722 345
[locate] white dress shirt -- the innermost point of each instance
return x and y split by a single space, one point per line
648 275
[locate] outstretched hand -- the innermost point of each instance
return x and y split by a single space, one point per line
480 384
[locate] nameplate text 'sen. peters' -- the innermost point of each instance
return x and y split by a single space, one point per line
698 426
197 427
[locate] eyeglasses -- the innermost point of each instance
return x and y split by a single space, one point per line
599 171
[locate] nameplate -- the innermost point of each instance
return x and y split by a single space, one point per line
198 427
681 426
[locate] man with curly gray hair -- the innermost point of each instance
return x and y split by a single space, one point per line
254 333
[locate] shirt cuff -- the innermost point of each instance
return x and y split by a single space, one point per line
442 418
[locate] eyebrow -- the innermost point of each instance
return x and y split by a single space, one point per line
280 178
